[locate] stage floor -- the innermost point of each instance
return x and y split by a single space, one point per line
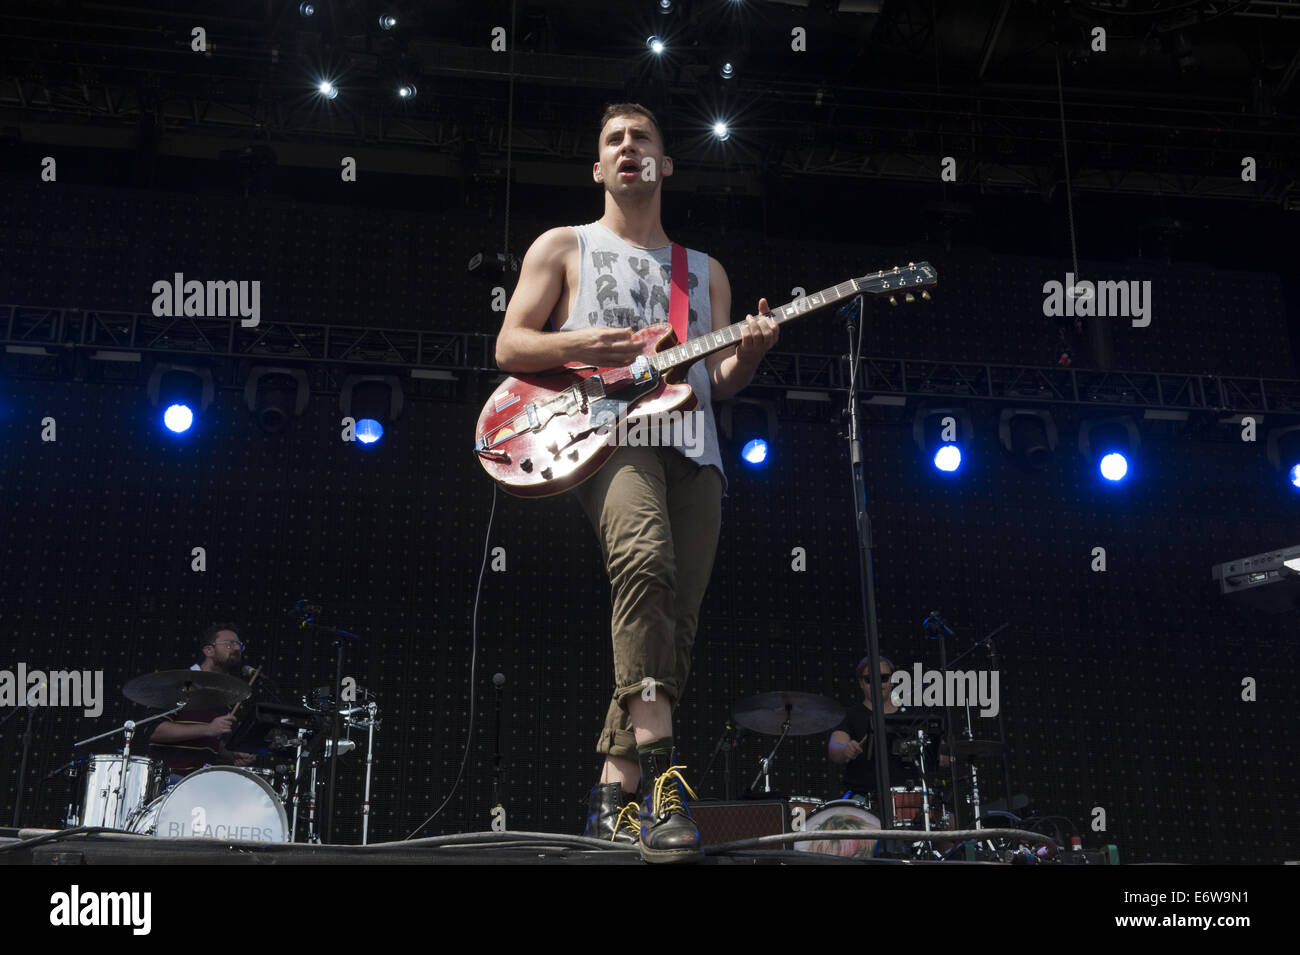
51 847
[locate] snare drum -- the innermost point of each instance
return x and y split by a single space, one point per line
841 814
909 809
216 802
106 801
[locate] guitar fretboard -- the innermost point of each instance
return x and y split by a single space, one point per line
884 282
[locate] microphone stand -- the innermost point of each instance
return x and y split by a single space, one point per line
22 764
496 740
862 523
940 628
305 622
935 631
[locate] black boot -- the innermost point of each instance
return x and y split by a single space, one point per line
668 834
612 814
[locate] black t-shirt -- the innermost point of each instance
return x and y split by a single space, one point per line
860 773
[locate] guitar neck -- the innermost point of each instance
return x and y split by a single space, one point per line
878 283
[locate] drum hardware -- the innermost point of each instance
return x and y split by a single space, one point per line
306 614
298 746
371 721
121 807
785 713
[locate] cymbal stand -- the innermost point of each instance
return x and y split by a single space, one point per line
925 784
372 710
765 764
297 778
312 835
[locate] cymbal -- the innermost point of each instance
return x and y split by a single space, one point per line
808 712
198 689
978 747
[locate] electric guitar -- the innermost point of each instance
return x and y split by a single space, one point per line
544 433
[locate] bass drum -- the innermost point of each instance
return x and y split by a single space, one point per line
216 802
841 814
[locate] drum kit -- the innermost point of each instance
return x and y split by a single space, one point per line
131 793
919 807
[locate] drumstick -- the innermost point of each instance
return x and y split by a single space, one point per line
250 683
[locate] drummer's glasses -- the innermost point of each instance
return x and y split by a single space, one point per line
227 644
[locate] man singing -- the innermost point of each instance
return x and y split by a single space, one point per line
656 511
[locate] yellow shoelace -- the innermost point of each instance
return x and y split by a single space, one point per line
668 798
629 817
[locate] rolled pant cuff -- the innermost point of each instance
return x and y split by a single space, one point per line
620 743
648 689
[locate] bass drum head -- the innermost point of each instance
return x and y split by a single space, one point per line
217 802
841 814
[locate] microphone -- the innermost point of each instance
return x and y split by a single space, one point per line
935 624
305 611
68 765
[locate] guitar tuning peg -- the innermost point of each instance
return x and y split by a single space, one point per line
909 297
926 296
893 300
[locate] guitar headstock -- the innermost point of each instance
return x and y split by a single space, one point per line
903 279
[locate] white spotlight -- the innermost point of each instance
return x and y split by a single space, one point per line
406 91
727 71
387 21
328 89
721 131
654 44
306 9
665 6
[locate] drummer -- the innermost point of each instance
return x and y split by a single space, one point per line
852 742
192 739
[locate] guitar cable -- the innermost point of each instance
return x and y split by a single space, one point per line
473 665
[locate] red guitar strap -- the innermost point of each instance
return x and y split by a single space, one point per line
679 312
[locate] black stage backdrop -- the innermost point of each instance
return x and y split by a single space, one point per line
1121 689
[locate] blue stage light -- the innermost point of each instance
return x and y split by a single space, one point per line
178 418
1294 474
1114 466
948 458
755 452
369 430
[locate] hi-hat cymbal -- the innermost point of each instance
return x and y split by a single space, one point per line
198 689
977 747
808 713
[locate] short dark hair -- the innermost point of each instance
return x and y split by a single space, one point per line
865 662
210 635
627 109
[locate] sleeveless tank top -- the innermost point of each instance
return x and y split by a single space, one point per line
623 286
